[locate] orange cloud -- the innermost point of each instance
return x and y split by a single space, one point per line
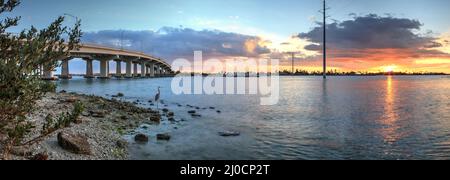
377 43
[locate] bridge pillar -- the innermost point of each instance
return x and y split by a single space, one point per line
152 69
118 69
128 69
104 69
143 69
65 69
48 74
89 68
156 68
135 69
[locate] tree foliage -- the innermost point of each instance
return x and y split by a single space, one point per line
22 55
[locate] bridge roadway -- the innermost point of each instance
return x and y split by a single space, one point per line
149 66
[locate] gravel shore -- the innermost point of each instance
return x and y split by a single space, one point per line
103 123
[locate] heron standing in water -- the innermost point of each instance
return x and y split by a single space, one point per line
157 96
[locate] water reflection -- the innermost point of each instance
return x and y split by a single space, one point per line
339 118
325 106
390 117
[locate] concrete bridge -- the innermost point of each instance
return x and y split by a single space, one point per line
149 66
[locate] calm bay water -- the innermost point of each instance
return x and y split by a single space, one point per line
340 118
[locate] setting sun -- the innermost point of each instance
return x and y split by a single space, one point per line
390 68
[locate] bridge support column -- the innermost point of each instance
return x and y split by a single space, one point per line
89 68
156 68
48 74
143 69
104 69
128 69
65 69
118 69
135 69
152 69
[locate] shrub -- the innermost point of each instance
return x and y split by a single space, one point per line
21 57
64 120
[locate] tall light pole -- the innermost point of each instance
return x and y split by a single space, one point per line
324 40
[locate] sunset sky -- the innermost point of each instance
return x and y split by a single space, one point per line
382 35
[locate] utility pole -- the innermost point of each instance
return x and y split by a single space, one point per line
324 40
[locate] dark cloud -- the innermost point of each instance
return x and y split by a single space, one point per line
372 32
173 43
313 47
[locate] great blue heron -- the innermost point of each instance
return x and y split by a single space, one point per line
157 96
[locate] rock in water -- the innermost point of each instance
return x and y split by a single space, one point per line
164 137
74 143
196 115
192 112
229 133
156 119
141 138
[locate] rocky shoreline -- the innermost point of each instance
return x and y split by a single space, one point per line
97 134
